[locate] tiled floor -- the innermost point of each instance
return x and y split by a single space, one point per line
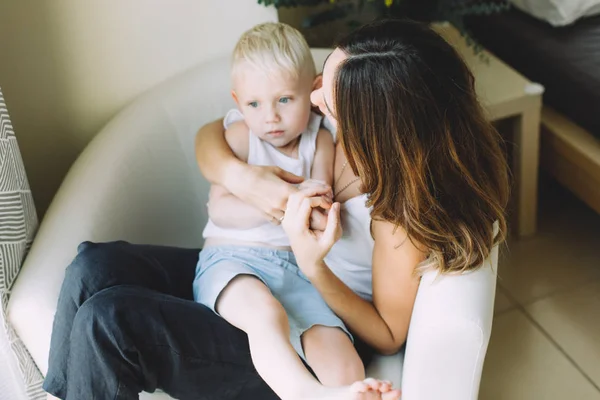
545 341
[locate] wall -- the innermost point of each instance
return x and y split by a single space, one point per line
67 66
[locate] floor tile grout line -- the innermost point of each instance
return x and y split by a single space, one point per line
520 307
498 313
517 306
557 345
529 302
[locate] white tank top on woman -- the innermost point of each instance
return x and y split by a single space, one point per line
351 257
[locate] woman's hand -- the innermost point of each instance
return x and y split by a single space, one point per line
264 187
318 216
311 246
268 189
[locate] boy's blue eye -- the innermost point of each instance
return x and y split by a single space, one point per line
284 100
253 104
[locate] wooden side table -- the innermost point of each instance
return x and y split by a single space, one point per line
507 94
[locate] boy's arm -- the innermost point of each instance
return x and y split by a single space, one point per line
224 209
322 168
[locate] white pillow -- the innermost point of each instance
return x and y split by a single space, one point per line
559 12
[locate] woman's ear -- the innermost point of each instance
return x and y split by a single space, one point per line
318 82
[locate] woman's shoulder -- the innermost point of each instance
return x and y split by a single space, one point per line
394 238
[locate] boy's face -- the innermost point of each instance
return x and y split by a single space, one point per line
276 107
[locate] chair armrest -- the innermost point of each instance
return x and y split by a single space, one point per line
136 181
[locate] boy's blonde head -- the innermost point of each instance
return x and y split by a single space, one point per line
274 47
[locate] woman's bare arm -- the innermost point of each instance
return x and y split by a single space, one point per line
383 323
214 156
266 188
224 209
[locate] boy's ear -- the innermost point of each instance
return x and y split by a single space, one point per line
235 98
318 82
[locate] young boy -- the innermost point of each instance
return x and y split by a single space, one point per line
246 272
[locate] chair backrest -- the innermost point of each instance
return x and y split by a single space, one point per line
173 112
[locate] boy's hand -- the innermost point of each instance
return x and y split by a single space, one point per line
314 183
318 219
318 215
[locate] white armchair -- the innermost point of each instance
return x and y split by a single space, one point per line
138 181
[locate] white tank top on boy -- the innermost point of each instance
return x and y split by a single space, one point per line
350 259
261 152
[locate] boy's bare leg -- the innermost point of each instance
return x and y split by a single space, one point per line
332 356
249 305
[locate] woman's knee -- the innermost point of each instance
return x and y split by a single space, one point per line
96 266
112 314
97 317
103 356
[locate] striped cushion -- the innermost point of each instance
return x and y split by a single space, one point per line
18 224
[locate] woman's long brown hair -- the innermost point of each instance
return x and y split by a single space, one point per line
413 130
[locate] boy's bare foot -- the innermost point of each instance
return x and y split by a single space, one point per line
369 389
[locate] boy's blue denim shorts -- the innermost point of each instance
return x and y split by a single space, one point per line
278 270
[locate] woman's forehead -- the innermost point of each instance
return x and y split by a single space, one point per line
332 61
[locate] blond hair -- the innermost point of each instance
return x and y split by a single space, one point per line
274 47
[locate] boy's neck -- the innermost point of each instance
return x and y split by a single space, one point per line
290 149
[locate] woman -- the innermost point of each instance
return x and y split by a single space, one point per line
420 180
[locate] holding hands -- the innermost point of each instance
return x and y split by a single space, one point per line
318 215
311 219
311 245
